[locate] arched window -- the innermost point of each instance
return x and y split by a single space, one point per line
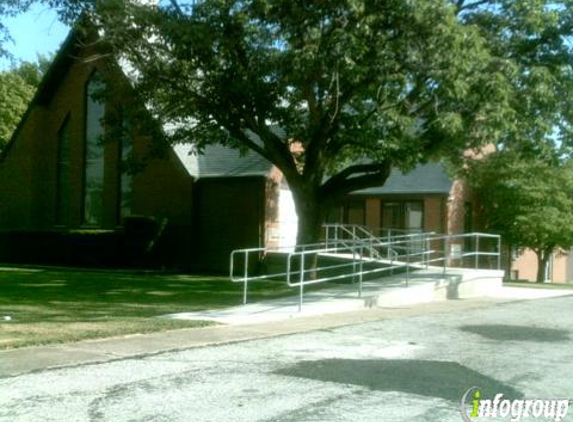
94 154
125 178
63 175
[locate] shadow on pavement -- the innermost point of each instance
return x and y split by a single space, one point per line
446 380
517 333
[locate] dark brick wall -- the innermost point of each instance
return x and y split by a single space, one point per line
229 215
28 175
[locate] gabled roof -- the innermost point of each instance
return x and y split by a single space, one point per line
48 85
217 160
220 161
428 178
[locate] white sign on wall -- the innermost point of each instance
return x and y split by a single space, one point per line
288 220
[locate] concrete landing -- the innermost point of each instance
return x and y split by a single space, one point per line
422 286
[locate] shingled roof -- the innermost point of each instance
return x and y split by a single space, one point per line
428 178
220 161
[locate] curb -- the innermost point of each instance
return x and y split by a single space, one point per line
36 359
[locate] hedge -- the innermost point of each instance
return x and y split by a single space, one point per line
143 242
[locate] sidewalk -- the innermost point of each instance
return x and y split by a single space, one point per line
322 310
422 286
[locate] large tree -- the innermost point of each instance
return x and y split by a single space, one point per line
335 93
528 200
526 185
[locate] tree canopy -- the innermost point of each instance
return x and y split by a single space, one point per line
17 87
533 38
335 93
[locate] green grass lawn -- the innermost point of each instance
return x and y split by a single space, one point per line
53 306
524 283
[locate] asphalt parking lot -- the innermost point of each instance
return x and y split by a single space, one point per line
412 368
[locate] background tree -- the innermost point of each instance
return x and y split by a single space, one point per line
525 188
528 200
335 93
17 87
533 38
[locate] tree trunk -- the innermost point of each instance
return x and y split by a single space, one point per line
310 217
542 260
311 214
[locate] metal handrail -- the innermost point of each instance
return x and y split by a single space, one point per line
352 229
245 277
425 253
400 254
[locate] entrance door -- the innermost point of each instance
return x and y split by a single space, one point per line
413 216
355 213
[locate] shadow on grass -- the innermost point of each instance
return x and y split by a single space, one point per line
87 295
55 306
446 380
502 332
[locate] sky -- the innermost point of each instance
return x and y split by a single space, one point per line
35 32
39 32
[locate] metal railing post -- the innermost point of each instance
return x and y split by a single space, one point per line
337 228
477 250
361 270
499 252
391 256
288 268
445 254
426 251
301 280
371 250
354 263
407 266
246 279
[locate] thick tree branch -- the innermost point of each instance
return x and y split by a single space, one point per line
283 157
359 176
271 146
313 107
176 6
461 5
249 143
273 149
